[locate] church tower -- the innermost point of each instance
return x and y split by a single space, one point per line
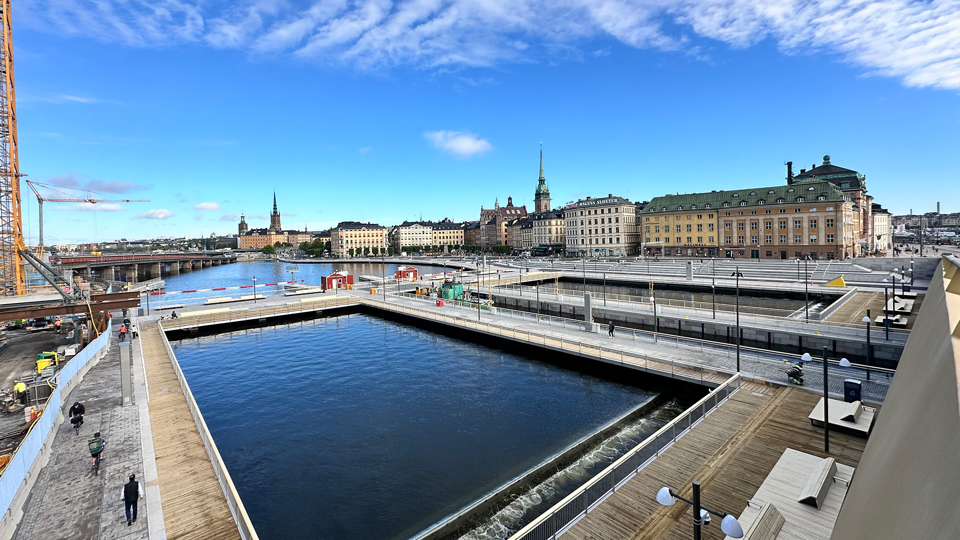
275 215
541 199
242 227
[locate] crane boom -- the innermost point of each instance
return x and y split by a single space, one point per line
12 271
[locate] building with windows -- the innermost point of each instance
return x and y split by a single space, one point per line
361 238
445 234
549 232
854 186
882 229
259 238
601 227
493 222
801 219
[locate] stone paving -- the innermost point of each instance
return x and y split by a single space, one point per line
68 501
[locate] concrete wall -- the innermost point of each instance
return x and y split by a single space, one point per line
884 354
923 266
908 482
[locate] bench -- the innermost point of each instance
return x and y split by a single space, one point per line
767 525
852 418
818 483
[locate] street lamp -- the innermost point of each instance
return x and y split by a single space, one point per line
254 289
806 291
701 514
738 275
869 350
656 317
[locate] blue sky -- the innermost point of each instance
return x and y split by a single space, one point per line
381 111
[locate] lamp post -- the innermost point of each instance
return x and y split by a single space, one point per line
604 289
738 275
911 272
886 316
798 269
701 514
806 291
254 289
656 317
869 349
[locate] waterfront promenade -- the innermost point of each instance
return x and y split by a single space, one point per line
185 497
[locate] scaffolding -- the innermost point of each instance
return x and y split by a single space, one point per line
12 271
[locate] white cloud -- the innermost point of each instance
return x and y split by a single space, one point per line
913 40
206 206
229 217
160 213
458 143
99 207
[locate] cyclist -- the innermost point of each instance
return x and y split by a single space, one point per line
76 413
96 446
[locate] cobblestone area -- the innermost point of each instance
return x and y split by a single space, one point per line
68 501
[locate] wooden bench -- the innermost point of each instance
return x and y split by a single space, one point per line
767 525
818 483
841 413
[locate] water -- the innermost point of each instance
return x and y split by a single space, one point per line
242 273
355 427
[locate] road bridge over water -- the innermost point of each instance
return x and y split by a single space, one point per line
138 267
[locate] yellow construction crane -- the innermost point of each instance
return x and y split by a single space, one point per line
41 199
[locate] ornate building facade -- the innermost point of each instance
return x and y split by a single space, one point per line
259 238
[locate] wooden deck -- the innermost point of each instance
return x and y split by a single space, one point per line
730 452
854 310
193 503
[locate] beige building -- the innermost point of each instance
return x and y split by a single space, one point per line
259 238
362 238
882 230
605 227
445 233
549 229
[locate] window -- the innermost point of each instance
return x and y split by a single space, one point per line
680 207
829 238
678 240
699 239
689 227
797 224
783 210
727 239
743 203
813 239
813 224
797 238
767 225
726 204
617 218
618 230
709 216
656 228
710 227
699 227
753 212
740 239
768 238
780 201
689 217
699 216
677 218
726 226
708 205
783 239
740 226
689 239
829 223
800 199
753 225
693 207
821 197
656 239
736 194
760 201
796 210
710 239
618 239
753 238
678 228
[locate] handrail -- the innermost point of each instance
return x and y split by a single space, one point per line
575 505
237 510
242 314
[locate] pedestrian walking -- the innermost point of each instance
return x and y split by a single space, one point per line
132 492
133 331
610 329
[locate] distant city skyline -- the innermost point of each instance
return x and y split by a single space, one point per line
209 109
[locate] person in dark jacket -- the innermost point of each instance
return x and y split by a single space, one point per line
610 329
77 409
131 493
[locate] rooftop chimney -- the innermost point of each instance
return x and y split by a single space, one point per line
802 171
789 172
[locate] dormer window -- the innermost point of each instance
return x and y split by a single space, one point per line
743 203
821 197
664 209
736 194
708 205
726 204
790 190
780 200
811 188
799 199
761 201
680 207
772 191
693 207
753 193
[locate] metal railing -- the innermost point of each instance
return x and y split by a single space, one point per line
584 499
713 356
16 475
230 315
237 510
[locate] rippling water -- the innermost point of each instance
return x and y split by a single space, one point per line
355 427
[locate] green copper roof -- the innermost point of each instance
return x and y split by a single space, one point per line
772 195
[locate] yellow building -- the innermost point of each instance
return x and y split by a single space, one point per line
361 238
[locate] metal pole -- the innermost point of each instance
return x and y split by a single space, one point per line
886 316
738 318
912 273
696 510
604 289
869 350
806 291
537 286
826 404
254 289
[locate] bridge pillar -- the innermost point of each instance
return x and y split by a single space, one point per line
108 273
175 268
216 262
155 270
206 263
132 276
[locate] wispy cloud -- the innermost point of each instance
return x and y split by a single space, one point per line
159 213
229 217
59 98
206 206
366 149
915 41
458 143
82 182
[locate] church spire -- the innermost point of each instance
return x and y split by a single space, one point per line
541 197
542 179
275 203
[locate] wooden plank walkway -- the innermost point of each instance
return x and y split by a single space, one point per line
730 452
193 503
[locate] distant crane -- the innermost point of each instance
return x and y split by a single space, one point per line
41 199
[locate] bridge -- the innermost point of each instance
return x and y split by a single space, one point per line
136 267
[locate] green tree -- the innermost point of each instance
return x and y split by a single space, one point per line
268 250
366 251
390 251
350 251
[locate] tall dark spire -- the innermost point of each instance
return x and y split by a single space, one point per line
542 179
275 203
275 215
541 197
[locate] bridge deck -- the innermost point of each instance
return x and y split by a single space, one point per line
193 503
730 452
